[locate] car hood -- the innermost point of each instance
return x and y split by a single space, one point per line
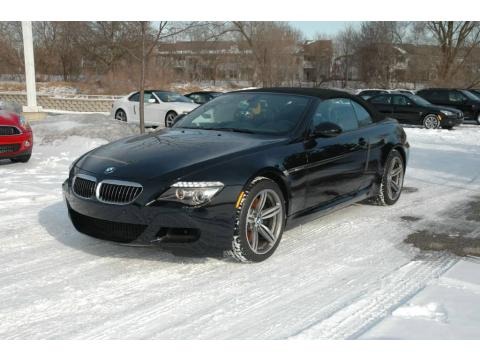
183 106
446 108
170 153
8 118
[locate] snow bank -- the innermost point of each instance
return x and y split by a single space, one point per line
89 126
432 311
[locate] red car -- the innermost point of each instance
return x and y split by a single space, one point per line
16 138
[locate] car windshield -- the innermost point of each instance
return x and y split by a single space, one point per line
419 100
168 96
470 95
262 113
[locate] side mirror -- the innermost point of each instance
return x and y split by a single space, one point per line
151 101
327 129
174 121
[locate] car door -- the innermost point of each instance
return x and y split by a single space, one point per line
154 110
336 164
404 110
132 111
459 101
383 103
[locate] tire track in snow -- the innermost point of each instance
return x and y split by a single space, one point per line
392 291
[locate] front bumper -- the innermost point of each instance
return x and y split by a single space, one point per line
169 225
451 120
16 145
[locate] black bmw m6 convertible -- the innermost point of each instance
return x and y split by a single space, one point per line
232 173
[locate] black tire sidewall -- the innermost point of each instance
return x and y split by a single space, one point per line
121 111
166 117
250 195
393 154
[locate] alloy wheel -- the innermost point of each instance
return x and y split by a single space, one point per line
264 221
395 178
431 122
169 119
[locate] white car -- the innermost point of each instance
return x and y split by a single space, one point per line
161 107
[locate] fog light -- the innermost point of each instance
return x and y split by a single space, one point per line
26 143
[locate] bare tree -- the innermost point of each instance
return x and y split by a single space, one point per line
272 45
11 56
345 50
457 41
147 37
57 48
376 52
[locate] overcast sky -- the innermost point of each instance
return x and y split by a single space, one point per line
310 28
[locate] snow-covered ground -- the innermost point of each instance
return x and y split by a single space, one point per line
350 274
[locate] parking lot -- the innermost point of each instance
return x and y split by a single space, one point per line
335 277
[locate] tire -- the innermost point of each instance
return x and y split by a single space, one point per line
249 243
478 118
23 158
120 115
430 121
171 115
386 194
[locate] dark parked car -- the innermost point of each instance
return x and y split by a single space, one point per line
366 94
462 100
415 110
201 97
475 92
229 175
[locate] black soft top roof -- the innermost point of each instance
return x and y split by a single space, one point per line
323 94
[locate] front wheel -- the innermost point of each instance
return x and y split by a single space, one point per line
120 115
392 180
431 121
260 221
169 118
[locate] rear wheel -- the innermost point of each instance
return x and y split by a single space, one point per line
169 118
260 221
392 180
430 121
120 115
478 118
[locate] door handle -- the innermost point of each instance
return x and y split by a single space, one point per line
362 142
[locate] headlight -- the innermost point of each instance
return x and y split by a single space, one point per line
447 113
192 193
23 121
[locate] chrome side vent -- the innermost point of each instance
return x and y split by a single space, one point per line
84 186
118 192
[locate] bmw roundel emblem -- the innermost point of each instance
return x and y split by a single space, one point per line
109 170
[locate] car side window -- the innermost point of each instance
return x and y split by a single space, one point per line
401 100
382 99
456 96
135 97
338 111
363 116
147 96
